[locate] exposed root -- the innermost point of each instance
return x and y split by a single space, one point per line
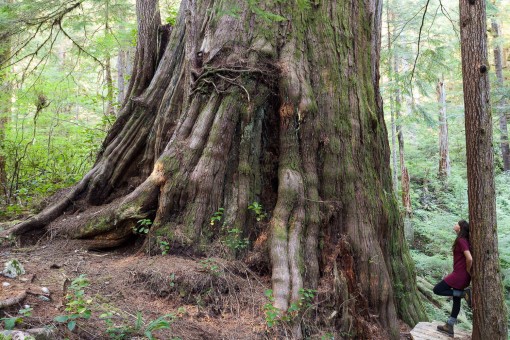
107 243
20 296
51 213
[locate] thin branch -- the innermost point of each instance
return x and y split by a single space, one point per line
33 54
45 58
78 45
447 15
396 36
23 46
419 40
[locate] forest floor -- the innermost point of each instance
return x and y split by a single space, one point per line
128 292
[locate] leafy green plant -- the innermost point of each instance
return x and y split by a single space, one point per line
114 331
306 297
274 316
124 331
76 303
172 280
271 313
164 246
234 241
328 336
171 15
142 226
257 208
210 266
163 322
217 216
11 322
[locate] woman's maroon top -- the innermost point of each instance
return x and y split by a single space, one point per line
460 278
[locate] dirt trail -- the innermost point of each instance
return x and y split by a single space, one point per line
210 298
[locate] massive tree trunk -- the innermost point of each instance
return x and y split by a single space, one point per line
489 312
278 104
501 104
444 154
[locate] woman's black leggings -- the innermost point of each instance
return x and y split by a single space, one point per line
443 289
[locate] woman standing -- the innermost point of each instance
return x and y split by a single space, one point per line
455 283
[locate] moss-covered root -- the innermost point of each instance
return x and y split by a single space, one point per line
287 223
285 226
111 224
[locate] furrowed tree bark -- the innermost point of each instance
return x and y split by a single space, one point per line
277 104
501 104
444 154
489 312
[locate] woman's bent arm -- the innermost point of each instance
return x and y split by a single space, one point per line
469 260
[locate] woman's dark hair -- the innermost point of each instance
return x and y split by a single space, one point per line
463 232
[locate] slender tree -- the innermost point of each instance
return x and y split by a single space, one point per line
394 169
489 312
124 70
269 102
110 110
444 154
5 97
501 103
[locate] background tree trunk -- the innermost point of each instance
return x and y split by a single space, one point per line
278 104
501 104
394 162
444 155
489 312
5 108
124 71
405 181
110 110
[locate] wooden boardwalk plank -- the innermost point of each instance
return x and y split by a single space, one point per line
428 331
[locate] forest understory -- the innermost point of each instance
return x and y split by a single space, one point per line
127 291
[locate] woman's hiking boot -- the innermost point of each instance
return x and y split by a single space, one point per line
468 297
447 329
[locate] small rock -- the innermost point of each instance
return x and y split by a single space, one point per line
30 278
44 298
6 284
45 290
34 333
26 306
